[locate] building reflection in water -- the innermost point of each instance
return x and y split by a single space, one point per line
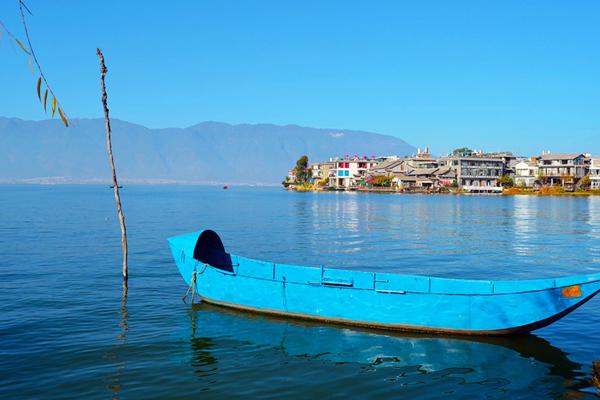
555 236
594 225
526 225
326 224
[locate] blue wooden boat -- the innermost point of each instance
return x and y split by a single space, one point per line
373 299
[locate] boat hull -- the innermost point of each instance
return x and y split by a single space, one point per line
393 326
382 300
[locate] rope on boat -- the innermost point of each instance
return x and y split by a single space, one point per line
192 287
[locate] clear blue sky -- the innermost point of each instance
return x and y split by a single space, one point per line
518 75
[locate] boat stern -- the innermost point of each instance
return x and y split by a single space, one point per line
551 305
574 292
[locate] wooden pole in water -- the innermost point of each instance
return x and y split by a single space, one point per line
103 71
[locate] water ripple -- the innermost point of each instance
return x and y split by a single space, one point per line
68 332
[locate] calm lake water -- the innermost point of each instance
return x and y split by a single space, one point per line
66 331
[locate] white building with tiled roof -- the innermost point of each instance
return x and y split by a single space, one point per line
350 171
595 173
476 173
526 172
561 169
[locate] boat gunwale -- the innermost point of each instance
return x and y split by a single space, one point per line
405 291
541 284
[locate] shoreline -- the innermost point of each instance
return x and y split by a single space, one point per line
545 192
551 191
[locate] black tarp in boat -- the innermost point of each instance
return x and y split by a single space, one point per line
210 250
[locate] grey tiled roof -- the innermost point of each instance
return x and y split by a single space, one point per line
388 164
561 156
422 171
446 170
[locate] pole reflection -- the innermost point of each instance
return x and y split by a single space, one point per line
115 380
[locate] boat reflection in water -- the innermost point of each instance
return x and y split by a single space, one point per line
269 355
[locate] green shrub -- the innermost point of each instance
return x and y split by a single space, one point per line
382 181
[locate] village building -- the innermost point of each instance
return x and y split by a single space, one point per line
445 176
425 178
420 172
595 173
291 177
526 173
350 172
380 159
508 158
421 160
404 182
563 169
387 168
476 173
395 166
322 170
472 171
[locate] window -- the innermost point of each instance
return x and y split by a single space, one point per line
346 173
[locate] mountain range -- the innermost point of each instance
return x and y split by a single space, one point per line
208 152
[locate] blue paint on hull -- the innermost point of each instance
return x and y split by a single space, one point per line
383 300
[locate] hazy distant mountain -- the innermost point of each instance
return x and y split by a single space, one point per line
206 152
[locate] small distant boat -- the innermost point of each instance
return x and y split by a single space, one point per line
225 187
373 299
113 186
